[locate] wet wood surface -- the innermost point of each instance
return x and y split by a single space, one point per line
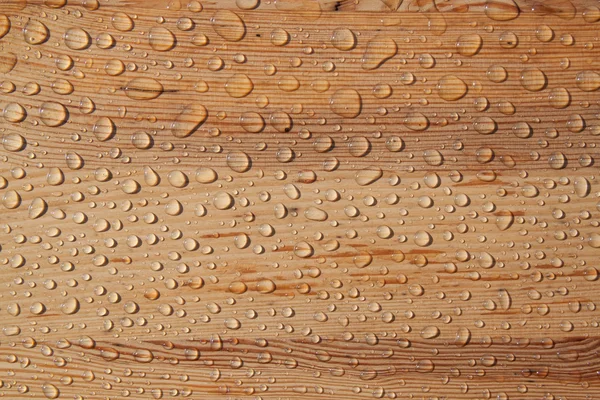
299 199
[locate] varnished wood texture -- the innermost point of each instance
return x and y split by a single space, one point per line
299 200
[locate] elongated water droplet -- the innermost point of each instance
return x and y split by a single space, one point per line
368 175
379 50
143 89
501 10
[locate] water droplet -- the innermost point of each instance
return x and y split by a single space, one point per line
239 85
35 32
4 25
74 160
11 199
346 103
252 122
430 332
544 33
501 10
423 238
343 39
53 114
13 142
143 89
368 175
533 79
50 391
469 44
161 39
238 287
223 201
303 250
265 286
463 337
416 121
280 37
486 260
122 22
315 214
70 306
8 61
559 98
104 129
77 39
379 50
189 120
37 208
451 88
228 25
588 81
239 161
206 175
582 186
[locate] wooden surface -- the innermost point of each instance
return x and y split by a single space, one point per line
299 200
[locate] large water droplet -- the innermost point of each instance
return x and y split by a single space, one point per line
161 39
228 25
346 103
451 88
379 50
189 120
143 89
35 32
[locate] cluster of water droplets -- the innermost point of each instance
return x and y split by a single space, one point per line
273 200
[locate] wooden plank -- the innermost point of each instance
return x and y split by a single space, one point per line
299 199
